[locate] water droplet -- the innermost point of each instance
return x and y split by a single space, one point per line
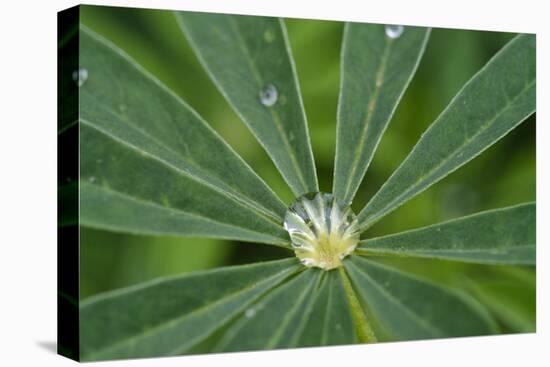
122 107
250 313
92 179
323 231
269 36
394 31
269 95
99 161
80 76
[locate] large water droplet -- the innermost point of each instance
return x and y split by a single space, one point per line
394 31
323 231
80 76
269 95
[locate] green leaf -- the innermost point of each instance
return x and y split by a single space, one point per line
168 316
408 307
510 295
330 321
376 70
501 236
309 310
497 99
151 165
246 56
282 312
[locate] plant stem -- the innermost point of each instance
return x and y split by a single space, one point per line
364 331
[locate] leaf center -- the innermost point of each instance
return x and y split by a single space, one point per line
323 231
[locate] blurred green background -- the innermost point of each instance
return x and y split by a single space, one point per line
504 175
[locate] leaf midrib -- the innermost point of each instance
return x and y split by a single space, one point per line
275 240
231 193
272 342
371 219
148 76
274 114
173 322
441 250
237 199
421 322
360 148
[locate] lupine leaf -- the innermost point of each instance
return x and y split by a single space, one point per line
501 236
497 99
375 72
151 165
246 56
167 316
408 307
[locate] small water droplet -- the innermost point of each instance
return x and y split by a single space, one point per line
394 31
99 161
269 36
80 76
92 179
269 95
250 313
122 107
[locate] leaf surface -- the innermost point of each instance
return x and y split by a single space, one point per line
408 307
151 165
501 236
168 316
497 99
376 70
510 295
249 60
309 310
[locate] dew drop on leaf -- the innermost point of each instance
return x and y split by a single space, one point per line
250 313
322 230
394 31
92 179
269 95
269 36
80 76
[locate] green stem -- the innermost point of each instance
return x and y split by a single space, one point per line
364 331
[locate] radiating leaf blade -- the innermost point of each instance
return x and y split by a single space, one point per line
168 316
275 320
330 321
501 236
375 72
510 295
407 307
497 99
309 310
245 55
143 148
